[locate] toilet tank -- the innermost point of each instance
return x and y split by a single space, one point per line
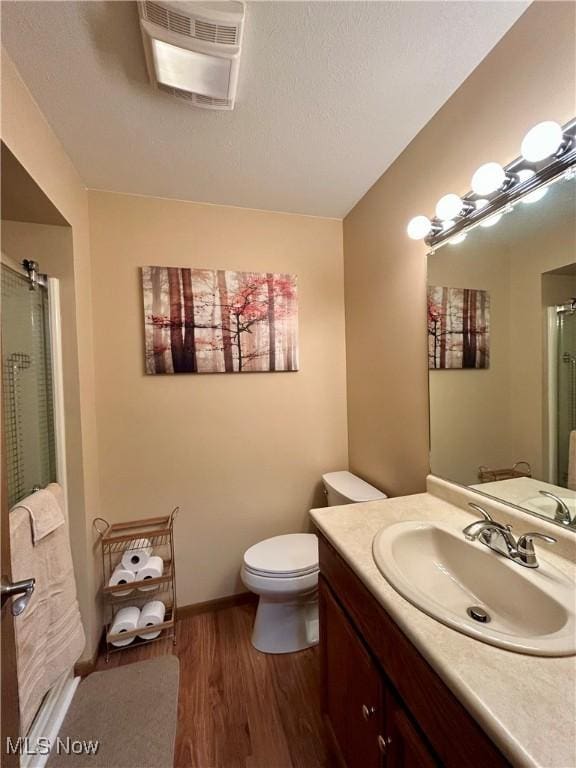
346 488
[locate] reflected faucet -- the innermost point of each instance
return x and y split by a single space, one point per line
562 514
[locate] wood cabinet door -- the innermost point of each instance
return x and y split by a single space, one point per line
404 746
353 698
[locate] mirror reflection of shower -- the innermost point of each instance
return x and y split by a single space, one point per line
566 395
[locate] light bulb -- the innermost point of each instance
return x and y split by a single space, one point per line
533 197
488 178
538 194
459 238
418 227
449 206
491 220
446 225
482 203
542 141
525 174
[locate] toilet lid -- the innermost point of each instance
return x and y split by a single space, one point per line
290 555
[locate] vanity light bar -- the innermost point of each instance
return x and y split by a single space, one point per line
548 154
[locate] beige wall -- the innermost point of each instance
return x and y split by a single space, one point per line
558 289
29 137
528 77
241 454
469 409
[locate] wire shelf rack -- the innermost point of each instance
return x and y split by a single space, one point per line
115 540
489 475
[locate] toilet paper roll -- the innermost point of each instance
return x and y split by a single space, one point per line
125 620
151 614
153 569
121 576
137 555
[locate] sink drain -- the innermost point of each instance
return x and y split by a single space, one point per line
478 614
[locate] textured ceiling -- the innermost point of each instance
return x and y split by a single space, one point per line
329 95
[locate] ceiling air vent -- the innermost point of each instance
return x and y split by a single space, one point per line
215 33
168 19
193 49
196 99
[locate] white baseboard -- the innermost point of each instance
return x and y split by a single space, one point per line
49 720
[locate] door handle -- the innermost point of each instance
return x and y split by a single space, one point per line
383 743
21 590
368 712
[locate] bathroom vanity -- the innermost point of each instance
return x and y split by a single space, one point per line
382 700
404 690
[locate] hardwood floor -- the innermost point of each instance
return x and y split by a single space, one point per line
239 708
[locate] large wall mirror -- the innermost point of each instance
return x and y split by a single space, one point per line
502 355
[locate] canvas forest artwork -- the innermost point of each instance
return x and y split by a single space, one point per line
458 328
217 321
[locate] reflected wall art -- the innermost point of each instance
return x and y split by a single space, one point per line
458 328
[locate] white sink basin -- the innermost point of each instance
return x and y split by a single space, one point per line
434 567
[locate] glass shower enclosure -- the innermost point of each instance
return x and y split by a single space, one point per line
27 384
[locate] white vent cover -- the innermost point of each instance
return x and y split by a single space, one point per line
193 49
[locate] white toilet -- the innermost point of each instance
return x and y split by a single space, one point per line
283 570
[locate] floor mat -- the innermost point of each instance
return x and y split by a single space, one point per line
131 711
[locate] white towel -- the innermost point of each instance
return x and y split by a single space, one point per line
572 461
49 633
45 508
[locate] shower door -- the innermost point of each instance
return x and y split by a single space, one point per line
566 421
33 455
30 443
28 407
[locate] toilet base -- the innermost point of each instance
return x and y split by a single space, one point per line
286 626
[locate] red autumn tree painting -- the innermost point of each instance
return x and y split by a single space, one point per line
217 321
458 328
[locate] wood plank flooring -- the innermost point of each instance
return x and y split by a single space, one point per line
239 708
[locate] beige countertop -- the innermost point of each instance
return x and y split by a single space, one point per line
526 704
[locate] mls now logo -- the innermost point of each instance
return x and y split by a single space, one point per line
43 746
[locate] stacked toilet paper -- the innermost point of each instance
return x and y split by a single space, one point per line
152 570
132 617
137 556
137 564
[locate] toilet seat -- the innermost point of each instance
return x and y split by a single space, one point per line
283 557
282 575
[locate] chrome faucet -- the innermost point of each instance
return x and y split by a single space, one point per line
478 528
499 538
562 514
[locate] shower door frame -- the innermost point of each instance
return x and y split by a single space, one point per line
55 326
52 285
552 394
